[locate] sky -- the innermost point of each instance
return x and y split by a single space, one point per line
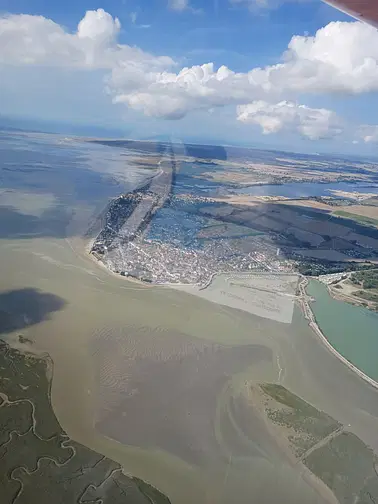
287 74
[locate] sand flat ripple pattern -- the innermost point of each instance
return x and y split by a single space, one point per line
158 389
268 295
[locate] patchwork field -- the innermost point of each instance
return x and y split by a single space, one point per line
304 227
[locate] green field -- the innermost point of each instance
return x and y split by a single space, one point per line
309 425
347 466
361 219
339 458
368 282
369 296
366 279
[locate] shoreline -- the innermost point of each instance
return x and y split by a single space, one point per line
103 266
87 252
304 302
354 301
310 317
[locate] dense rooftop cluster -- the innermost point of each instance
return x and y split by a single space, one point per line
159 262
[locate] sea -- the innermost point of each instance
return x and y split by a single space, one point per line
179 360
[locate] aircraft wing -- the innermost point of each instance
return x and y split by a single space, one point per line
365 10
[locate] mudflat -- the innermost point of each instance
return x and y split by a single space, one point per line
38 461
146 376
164 383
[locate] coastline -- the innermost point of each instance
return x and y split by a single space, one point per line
310 317
37 370
304 301
354 301
99 262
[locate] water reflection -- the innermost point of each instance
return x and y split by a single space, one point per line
46 180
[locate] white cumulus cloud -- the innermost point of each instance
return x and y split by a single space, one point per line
341 57
28 40
311 123
171 95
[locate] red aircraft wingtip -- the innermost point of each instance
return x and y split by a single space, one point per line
365 10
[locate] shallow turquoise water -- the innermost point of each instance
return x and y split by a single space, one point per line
351 330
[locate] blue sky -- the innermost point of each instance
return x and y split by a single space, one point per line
114 74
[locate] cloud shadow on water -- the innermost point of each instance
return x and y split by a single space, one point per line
206 151
14 224
26 307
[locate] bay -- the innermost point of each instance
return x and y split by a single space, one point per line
351 330
96 326
306 189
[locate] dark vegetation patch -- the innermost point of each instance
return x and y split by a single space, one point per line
348 467
38 461
339 458
366 279
309 425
